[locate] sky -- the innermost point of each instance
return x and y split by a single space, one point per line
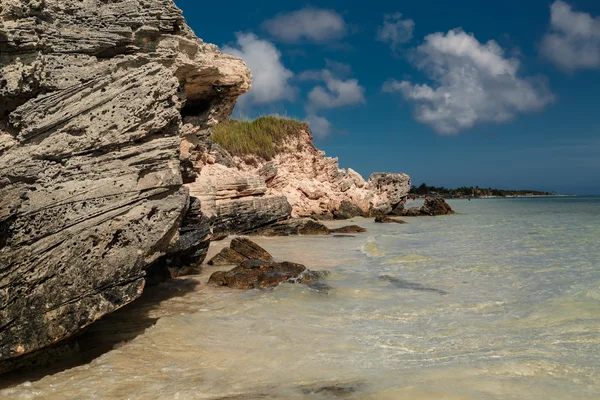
463 92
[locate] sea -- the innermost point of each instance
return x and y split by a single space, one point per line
498 301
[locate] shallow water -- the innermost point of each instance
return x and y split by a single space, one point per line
500 301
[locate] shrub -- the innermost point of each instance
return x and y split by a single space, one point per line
263 137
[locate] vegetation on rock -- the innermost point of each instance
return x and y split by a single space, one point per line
263 137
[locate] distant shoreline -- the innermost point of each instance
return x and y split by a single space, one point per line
496 197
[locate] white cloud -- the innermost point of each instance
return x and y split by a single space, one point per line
319 126
573 41
336 93
270 78
313 24
395 30
474 83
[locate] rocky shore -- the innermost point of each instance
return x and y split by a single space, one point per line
109 179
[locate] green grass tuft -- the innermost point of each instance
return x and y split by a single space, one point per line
262 137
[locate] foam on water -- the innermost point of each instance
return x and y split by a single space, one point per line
500 301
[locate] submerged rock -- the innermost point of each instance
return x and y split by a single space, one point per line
349 229
91 186
250 250
292 227
383 219
254 274
403 284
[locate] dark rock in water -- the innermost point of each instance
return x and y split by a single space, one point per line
250 250
347 210
397 210
402 284
349 229
254 274
326 216
383 219
412 212
310 277
246 215
227 256
292 227
383 209
320 287
436 206
333 390
343 236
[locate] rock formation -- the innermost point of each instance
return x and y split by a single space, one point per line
432 206
92 95
299 173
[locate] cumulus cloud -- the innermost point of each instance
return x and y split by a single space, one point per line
319 126
395 30
336 92
270 78
312 24
474 83
573 41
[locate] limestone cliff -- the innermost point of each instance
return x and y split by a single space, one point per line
312 183
92 94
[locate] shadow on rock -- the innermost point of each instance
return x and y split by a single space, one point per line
121 326
403 284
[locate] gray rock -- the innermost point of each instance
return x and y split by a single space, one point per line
349 229
91 188
347 210
392 187
383 219
246 215
292 227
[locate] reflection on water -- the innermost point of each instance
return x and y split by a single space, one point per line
519 318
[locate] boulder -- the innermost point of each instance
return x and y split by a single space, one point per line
250 250
436 206
384 219
349 229
253 274
411 212
292 227
227 256
91 186
393 188
347 210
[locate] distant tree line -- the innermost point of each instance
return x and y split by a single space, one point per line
475 191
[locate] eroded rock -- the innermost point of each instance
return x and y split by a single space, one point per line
436 206
227 256
254 274
292 227
250 250
349 229
384 219
91 179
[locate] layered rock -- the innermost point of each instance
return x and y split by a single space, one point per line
312 183
91 185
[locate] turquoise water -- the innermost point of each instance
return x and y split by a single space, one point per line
500 301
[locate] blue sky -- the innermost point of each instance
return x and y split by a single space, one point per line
463 92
